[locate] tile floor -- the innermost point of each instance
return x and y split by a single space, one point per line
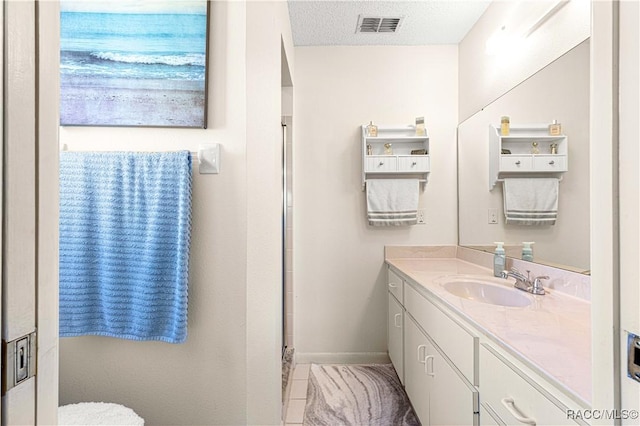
297 395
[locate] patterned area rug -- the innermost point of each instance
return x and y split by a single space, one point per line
357 395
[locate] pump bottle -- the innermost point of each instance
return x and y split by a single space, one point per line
527 251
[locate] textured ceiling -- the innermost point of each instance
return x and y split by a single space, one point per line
332 23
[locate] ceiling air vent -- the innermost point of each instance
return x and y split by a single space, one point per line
378 24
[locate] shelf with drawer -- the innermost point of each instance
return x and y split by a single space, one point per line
377 162
516 156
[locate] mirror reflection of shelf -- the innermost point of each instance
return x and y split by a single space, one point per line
409 158
515 155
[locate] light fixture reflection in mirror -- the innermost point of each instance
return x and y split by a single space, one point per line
559 91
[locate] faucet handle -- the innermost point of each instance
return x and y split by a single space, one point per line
537 285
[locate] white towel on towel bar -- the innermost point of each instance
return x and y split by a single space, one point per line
392 202
530 201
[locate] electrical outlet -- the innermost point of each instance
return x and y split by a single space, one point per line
493 216
421 217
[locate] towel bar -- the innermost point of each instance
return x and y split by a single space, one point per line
208 164
502 179
423 183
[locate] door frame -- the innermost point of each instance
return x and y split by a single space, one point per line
30 201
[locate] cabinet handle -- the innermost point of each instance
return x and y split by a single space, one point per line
510 405
395 320
392 285
414 163
518 163
552 162
421 359
426 366
381 163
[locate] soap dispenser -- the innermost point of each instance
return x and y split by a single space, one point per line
499 260
527 251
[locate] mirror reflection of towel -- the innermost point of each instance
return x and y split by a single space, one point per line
392 202
530 201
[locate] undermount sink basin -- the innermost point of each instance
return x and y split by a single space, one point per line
486 292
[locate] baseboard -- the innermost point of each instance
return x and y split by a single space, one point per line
342 358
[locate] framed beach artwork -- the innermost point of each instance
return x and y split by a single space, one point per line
133 63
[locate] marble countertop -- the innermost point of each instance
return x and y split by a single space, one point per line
552 335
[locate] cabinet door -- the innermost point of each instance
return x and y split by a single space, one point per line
452 401
394 335
415 383
437 392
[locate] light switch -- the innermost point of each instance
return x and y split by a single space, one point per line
209 158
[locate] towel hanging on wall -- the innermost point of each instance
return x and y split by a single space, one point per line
392 202
125 223
530 201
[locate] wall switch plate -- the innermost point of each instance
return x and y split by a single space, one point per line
209 158
493 216
421 217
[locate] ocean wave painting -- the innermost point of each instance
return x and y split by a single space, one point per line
133 63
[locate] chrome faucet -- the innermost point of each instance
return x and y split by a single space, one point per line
525 282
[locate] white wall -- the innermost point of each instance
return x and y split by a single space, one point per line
559 91
228 371
485 77
267 31
340 281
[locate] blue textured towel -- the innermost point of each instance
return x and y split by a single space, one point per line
125 224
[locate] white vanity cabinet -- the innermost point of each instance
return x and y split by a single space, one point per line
515 156
456 374
376 162
440 392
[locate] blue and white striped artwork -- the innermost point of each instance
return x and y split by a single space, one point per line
133 63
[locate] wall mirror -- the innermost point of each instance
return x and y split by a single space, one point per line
560 91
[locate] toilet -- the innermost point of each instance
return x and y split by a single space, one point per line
97 413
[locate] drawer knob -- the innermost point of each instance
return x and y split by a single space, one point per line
414 163
552 162
510 405
518 163
381 163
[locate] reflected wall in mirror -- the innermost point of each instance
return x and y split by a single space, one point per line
560 91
